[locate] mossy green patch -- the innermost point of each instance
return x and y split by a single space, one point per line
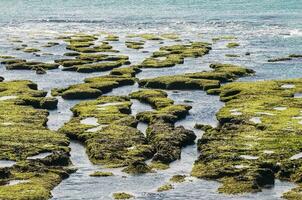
113 141
23 133
169 56
233 45
101 174
31 50
246 152
205 80
122 195
178 178
135 44
166 139
165 187
93 87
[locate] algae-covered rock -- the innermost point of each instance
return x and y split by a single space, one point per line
165 187
101 174
137 167
169 56
19 64
166 139
24 134
93 87
31 50
122 195
233 45
178 178
246 151
205 80
135 44
112 138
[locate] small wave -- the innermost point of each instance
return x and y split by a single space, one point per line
295 32
68 21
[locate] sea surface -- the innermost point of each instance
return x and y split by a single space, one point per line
264 28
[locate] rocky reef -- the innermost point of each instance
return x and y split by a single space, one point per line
24 135
95 87
206 80
258 138
169 56
108 131
166 139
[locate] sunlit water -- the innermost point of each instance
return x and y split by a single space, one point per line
275 30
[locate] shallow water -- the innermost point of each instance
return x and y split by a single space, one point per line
274 31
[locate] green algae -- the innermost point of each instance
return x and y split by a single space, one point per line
170 36
135 44
112 38
165 187
232 55
178 178
23 134
227 37
101 174
51 44
117 142
146 36
233 45
122 195
21 64
169 56
246 155
93 87
87 63
31 50
205 80
6 57
166 139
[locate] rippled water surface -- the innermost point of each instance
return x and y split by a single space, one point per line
274 30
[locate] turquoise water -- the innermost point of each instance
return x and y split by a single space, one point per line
265 28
